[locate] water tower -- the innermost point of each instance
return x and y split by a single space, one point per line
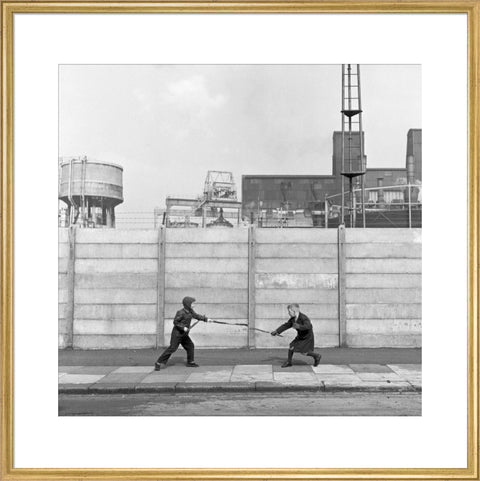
91 189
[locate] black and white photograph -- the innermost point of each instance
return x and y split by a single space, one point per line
240 240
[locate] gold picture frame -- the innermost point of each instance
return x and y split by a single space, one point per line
469 7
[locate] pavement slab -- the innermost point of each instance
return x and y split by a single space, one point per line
295 378
411 372
80 378
379 376
370 368
213 376
294 368
91 370
119 377
351 378
333 369
252 373
252 378
161 377
252 368
210 368
407 367
133 369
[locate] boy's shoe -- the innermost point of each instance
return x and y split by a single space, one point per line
192 364
317 360
159 366
287 364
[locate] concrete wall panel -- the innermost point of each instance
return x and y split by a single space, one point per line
116 236
365 281
62 295
203 279
62 265
110 341
61 310
63 235
63 250
384 266
384 311
307 236
276 296
384 296
383 235
116 311
206 265
116 296
62 281
62 341
110 280
62 326
296 266
296 281
279 311
378 340
83 327
98 266
206 235
118 251
384 326
377 250
214 250
207 295
285 251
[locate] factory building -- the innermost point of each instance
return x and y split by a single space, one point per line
307 192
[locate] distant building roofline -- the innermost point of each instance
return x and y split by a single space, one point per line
376 169
277 176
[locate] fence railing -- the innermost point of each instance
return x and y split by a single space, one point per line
385 206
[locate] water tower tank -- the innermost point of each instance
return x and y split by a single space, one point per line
91 189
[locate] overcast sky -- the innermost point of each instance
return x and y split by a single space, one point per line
167 125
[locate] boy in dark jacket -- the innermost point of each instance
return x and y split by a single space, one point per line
305 341
181 328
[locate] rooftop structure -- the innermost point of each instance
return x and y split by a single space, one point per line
219 200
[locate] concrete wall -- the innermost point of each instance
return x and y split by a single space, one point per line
383 287
115 289
295 265
212 266
121 289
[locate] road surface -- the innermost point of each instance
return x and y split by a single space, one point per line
242 404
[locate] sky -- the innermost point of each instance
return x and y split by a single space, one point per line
167 125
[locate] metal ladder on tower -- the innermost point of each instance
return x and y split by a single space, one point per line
353 158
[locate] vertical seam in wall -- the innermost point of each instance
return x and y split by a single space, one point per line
160 328
342 315
251 341
71 285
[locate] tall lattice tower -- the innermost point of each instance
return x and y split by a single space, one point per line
353 157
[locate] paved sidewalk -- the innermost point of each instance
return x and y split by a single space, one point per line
177 378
